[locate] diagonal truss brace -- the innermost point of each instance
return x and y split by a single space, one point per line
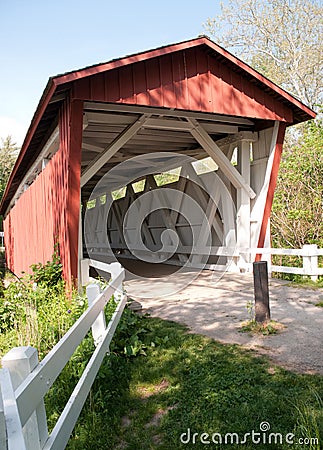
205 140
112 148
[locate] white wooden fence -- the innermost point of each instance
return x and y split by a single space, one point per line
309 254
24 381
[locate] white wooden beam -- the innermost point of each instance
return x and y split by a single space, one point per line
92 148
219 158
140 212
161 200
167 124
259 204
166 112
112 148
198 183
251 136
243 199
176 125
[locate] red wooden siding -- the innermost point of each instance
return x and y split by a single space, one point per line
30 227
188 79
48 212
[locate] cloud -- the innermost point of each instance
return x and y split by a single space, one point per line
11 127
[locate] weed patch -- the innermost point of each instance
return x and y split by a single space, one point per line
266 329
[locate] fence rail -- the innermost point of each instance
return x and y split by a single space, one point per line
24 381
310 262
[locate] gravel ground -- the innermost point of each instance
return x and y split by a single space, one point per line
217 307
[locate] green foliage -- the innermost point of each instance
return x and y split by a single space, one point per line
38 315
48 274
8 154
130 335
298 206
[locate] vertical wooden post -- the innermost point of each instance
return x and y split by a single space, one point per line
21 361
310 261
14 436
2 425
70 131
243 201
85 272
99 325
260 277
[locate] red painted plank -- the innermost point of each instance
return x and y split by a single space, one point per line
126 85
112 88
202 70
74 182
237 96
180 80
216 85
166 77
153 82
192 80
81 89
97 87
140 84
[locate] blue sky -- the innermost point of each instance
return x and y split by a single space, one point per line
40 39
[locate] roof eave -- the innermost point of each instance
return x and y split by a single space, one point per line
42 105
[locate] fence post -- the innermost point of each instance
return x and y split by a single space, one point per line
99 325
85 272
310 261
3 437
20 361
115 268
260 277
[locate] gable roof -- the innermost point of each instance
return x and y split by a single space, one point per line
45 117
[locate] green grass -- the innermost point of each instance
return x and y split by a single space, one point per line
189 381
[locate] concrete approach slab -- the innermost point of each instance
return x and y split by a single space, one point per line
216 306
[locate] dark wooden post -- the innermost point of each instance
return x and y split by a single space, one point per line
260 279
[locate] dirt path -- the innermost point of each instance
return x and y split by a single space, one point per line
217 308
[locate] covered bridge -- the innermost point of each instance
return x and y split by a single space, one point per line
191 98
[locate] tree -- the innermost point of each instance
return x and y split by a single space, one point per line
8 155
298 207
282 39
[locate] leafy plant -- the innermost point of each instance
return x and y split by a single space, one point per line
48 274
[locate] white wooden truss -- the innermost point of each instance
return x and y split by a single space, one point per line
232 198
